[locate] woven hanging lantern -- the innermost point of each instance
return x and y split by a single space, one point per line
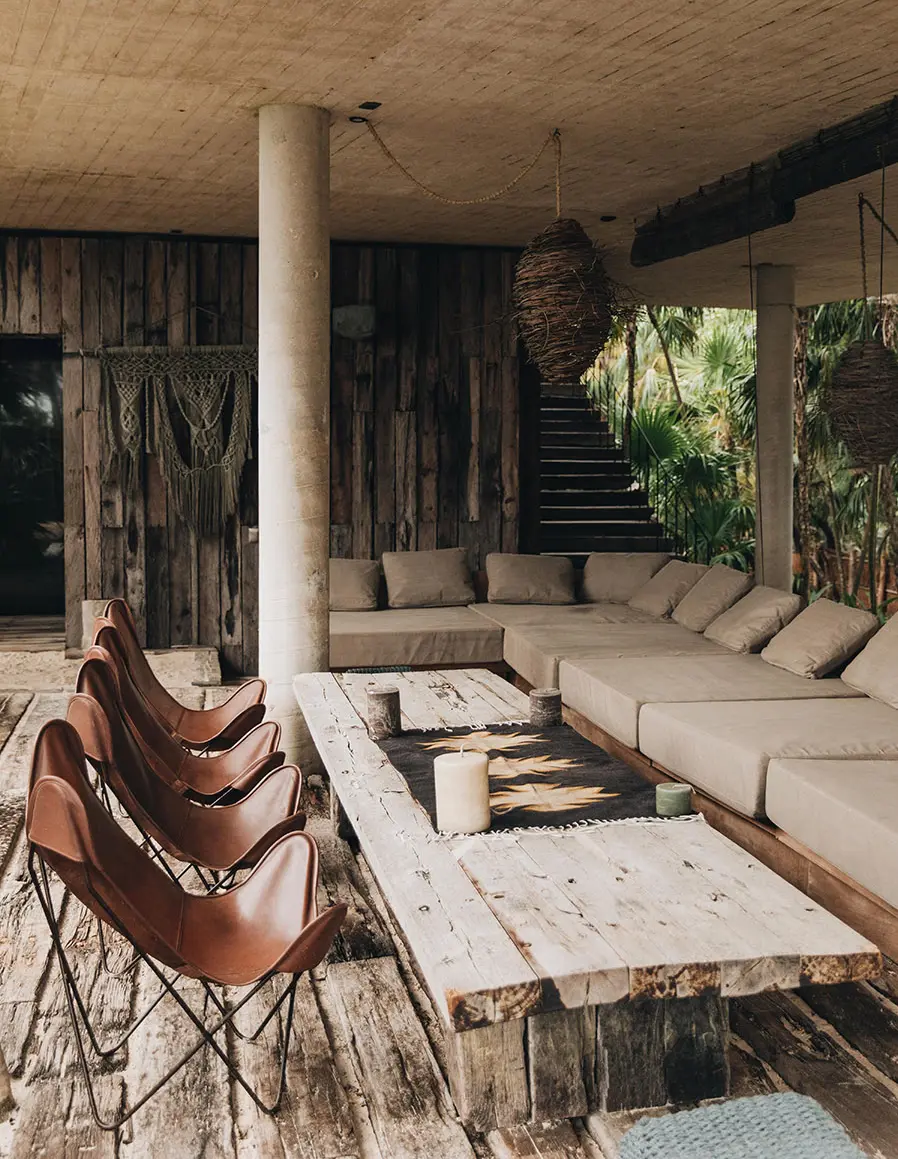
564 302
863 402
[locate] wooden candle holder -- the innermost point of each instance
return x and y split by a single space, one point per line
545 707
384 712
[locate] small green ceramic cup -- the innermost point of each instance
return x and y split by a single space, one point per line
673 799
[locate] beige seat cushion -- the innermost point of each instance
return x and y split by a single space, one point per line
548 615
416 636
611 693
354 585
821 639
535 652
529 579
724 747
717 590
428 579
875 668
616 576
845 811
755 619
667 587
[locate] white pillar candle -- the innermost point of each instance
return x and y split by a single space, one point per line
463 792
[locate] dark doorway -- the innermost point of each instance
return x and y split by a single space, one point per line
32 580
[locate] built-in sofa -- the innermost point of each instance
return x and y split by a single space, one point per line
783 718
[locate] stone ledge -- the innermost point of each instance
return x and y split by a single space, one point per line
44 671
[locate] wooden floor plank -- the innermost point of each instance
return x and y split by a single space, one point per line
314 1121
812 1063
411 1111
15 759
536 1141
191 1116
866 1019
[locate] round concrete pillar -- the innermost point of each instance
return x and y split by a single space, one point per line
776 354
294 407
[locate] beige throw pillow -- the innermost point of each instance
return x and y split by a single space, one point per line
428 579
822 638
614 576
667 587
755 619
530 579
354 584
875 669
717 590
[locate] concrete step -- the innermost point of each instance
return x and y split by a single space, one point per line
584 545
580 453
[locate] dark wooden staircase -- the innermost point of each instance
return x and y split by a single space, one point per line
589 500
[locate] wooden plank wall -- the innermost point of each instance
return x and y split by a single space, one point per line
425 415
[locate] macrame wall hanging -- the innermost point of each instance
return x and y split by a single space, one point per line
144 386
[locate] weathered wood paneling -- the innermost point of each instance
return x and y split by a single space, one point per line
424 415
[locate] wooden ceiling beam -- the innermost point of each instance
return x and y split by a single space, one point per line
763 195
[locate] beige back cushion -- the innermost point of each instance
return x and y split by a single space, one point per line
717 590
821 639
875 669
428 579
667 587
354 585
530 579
755 619
614 576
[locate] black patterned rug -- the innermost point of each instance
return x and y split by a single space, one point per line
548 777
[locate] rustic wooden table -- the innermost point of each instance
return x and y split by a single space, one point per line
575 970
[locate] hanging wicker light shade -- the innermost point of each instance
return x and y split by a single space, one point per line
863 402
564 302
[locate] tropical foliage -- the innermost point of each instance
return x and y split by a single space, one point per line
678 387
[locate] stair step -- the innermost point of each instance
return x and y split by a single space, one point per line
574 516
578 497
591 470
577 453
553 440
581 531
564 402
582 545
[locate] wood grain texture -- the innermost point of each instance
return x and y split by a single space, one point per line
424 415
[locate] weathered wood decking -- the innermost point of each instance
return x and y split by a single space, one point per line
366 1076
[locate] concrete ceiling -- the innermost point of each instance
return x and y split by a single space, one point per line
140 115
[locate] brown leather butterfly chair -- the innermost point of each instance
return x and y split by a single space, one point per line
209 728
245 936
227 837
206 778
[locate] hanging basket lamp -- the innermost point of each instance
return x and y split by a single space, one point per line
564 302
863 402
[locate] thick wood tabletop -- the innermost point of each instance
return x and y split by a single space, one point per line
507 926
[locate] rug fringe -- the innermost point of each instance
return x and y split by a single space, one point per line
589 823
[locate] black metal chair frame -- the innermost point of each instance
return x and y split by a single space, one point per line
37 870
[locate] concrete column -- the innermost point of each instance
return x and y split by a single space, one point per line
776 340
294 407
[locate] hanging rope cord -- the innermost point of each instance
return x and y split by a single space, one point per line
555 136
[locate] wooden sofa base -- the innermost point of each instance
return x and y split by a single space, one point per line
813 875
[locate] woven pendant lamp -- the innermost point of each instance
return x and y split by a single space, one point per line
862 400
564 299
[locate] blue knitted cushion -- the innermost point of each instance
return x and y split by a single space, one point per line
787 1126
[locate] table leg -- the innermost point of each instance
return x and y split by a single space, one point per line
341 823
652 1052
